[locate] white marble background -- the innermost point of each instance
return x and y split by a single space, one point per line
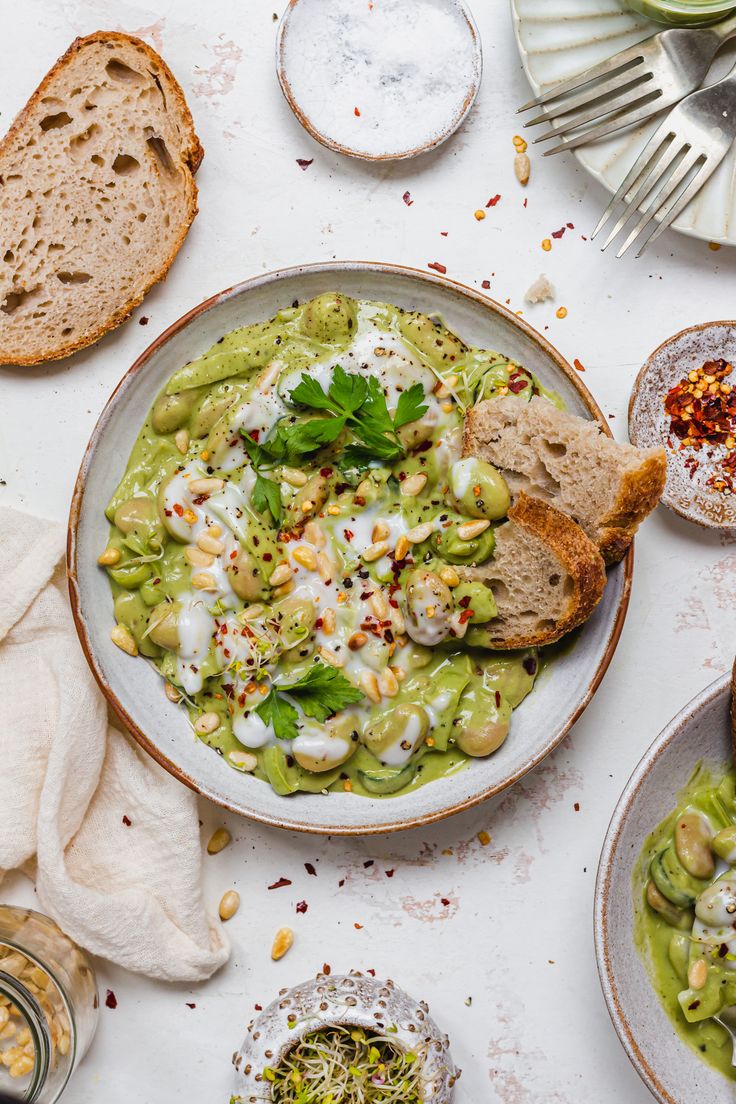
507 924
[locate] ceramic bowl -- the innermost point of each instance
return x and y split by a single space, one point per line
350 1000
686 490
134 689
666 1064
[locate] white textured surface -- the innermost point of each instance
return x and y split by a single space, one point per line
516 930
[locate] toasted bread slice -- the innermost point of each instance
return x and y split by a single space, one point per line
607 487
546 577
97 196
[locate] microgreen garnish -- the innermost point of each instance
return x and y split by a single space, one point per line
320 692
343 1065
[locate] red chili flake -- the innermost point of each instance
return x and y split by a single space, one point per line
464 602
190 1005
303 163
325 472
493 201
486 284
445 901
302 906
310 869
356 111
127 821
407 199
368 862
371 972
365 595
517 385
576 806
526 201
578 365
389 873
268 556
702 411
326 968
443 233
280 883
693 1006
258 1007
498 699
341 883
437 267
348 534
570 226
358 927
111 1001
143 320
178 509
559 233
465 616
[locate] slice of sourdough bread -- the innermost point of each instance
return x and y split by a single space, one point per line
546 577
607 487
96 196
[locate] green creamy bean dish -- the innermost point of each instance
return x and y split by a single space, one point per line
285 544
686 925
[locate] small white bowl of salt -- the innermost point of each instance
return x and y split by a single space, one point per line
379 79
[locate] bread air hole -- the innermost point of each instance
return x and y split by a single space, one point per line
119 71
73 277
161 152
53 122
124 164
13 300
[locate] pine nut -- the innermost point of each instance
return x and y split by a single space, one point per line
219 840
195 557
397 619
329 620
331 657
22 1066
189 516
280 574
313 533
306 557
214 530
293 477
380 531
109 557
443 389
202 580
270 374
206 723
414 485
387 683
357 640
379 604
369 685
363 489
250 613
206 486
325 567
307 506
8 1031
181 440
420 532
171 692
284 589
283 940
399 673
449 576
64 1043
375 551
123 637
402 548
697 975
471 529
4 1017
210 544
242 760
522 167
229 904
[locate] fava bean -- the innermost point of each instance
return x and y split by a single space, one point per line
428 606
479 489
170 412
692 844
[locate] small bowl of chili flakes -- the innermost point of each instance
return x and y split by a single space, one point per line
685 399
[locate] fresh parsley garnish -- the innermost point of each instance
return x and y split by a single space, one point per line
320 692
266 495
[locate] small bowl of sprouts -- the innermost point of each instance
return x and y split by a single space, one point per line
344 1040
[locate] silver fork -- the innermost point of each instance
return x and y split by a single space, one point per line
727 1018
630 86
684 151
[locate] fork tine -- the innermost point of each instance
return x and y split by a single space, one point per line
639 110
639 172
706 170
665 193
599 110
624 59
665 164
618 83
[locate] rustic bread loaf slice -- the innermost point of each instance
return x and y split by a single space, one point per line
607 487
96 196
546 577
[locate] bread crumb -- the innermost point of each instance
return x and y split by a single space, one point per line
540 290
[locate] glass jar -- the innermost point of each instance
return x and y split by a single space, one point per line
683 13
48 1006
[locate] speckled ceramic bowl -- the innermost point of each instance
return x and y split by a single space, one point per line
133 688
348 1000
686 491
667 1065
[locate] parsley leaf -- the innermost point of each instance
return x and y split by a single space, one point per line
281 714
348 390
304 437
320 692
410 406
266 495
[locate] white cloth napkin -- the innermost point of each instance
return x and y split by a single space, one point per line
69 784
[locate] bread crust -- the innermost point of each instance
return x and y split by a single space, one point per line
191 158
576 552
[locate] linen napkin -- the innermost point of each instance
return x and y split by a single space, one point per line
112 840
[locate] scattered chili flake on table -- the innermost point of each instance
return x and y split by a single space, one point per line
309 867
437 267
561 312
303 163
485 284
546 245
127 821
493 201
580 367
280 883
407 199
702 411
356 111
111 1001
302 906
480 215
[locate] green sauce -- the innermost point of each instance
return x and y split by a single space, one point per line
673 938
247 565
